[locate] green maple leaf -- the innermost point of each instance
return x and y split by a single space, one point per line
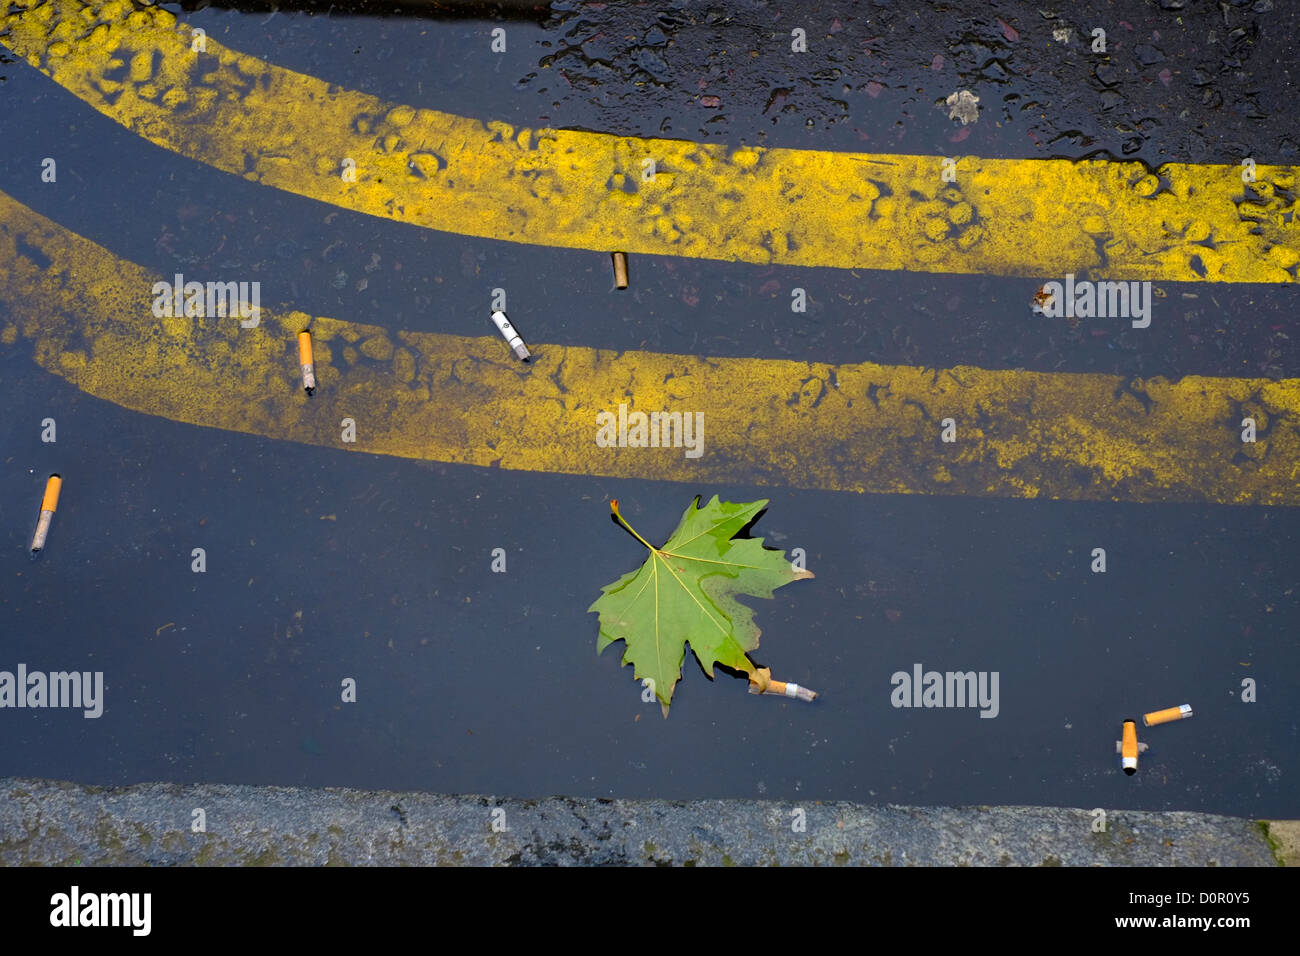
686 593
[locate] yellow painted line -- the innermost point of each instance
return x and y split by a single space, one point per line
584 190
87 315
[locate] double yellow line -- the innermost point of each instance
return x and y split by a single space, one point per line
852 427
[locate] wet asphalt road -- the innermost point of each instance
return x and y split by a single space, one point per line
324 565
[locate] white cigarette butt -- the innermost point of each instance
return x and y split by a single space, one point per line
511 336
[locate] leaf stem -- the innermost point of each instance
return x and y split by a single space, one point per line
613 506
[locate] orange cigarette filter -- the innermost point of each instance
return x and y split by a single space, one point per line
620 269
305 360
49 504
1129 748
1181 712
764 684
52 488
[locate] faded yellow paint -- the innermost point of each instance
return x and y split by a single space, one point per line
584 190
860 427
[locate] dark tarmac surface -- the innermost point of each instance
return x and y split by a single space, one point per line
324 565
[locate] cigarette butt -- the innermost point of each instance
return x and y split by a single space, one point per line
1181 712
620 269
305 359
49 504
782 689
52 488
511 336
1128 747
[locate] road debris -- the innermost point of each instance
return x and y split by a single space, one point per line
761 682
620 270
1129 748
305 360
1182 712
963 105
49 504
1042 300
511 336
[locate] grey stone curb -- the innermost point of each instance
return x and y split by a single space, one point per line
45 822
